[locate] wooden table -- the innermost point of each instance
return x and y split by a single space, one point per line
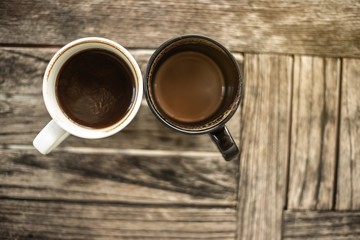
298 127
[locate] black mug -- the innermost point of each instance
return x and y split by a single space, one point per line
193 85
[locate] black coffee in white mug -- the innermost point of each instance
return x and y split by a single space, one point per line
92 88
95 88
193 85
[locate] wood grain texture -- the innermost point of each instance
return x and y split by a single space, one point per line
314 132
125 177
52 220
264 146
321 225
348 188
128 177
23 113
302 27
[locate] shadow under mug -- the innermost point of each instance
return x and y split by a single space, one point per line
215 124
61 126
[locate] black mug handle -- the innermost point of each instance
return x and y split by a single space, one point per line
225 143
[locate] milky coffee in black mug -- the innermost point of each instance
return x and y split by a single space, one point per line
193 85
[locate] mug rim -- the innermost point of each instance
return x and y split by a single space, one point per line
58 114
235 103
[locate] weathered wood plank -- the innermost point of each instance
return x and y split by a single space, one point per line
152 177
51 220
314 132
301 27
321 225
348 185
264 146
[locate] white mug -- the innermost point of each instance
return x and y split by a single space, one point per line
61 125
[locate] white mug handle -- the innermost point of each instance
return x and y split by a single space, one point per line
49 137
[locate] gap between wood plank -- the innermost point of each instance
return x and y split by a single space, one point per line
133 204
337 151
239 56
26 45
130 152
22 45
290 107
320 211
